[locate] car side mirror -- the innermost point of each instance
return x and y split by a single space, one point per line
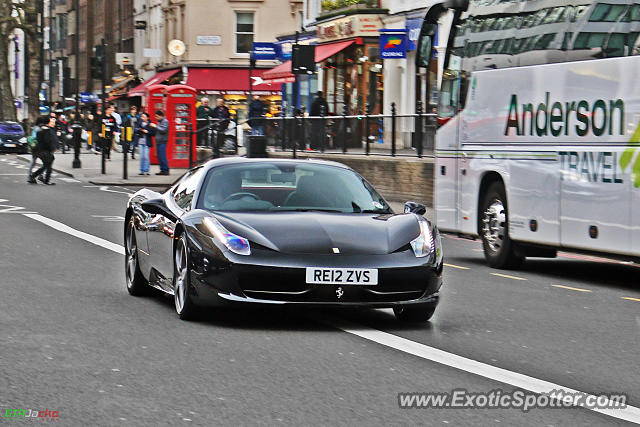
156 207
416 208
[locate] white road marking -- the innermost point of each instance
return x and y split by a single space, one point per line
11 208
535 385
106 188
109 218
79 234
13 174
67 179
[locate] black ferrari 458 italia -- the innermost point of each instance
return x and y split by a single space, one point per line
269 231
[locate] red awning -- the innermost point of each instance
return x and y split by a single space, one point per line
157 79
325 51
282 73
228 80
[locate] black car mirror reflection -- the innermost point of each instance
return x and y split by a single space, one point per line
414 207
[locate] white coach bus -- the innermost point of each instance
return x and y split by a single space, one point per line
539 143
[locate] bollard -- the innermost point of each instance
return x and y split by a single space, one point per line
125 149
393 128
77 142
103 144
419 129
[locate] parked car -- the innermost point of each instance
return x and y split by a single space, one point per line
12 138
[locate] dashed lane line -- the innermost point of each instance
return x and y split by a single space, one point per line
631 299
456 266
508 277
535 385
571 288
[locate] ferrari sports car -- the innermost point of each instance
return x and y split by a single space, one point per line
267 231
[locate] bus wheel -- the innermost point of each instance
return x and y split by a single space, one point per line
499 249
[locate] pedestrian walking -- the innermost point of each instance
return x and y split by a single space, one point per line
96 130
47 143
256 116
319 108
109 125
132 120
162 137
33 145
116 140
145 142
222 115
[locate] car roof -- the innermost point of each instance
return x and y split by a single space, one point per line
245 160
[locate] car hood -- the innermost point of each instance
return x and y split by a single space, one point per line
321 232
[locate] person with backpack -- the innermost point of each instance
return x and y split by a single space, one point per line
32 140
47 143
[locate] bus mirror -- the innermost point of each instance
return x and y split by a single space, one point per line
461 5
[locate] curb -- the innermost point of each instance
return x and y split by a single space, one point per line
128 184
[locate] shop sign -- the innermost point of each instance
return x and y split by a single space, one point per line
413 25
263 51
353 26
393 44
209 40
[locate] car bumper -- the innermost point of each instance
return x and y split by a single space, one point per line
403 280
17 149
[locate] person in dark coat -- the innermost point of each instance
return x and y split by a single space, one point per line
47 143
222 115
319 107
256 116
162 138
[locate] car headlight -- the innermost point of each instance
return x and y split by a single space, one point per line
425 243
236 244
23 140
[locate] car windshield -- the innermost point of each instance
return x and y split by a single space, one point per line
287 186
11 129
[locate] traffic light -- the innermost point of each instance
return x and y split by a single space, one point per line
303 59
97 62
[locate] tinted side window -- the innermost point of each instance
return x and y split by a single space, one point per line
185 190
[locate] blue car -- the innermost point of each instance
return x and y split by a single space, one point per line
12 138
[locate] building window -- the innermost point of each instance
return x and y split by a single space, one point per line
244 32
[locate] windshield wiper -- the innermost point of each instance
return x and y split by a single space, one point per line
357 209
309 210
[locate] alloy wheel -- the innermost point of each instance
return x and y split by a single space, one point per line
493 225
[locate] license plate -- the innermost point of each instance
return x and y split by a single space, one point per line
342 276
10 145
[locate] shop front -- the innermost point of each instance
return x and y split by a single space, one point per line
235 87
352 78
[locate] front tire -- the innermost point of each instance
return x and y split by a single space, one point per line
185 307
415 313
499 249
137 285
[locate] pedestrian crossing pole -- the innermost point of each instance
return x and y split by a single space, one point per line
103 139
125 148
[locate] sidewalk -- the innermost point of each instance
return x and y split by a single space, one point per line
91 170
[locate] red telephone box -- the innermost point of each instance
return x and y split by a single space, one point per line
181 114
155 98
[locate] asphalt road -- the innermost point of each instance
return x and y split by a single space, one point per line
73 340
